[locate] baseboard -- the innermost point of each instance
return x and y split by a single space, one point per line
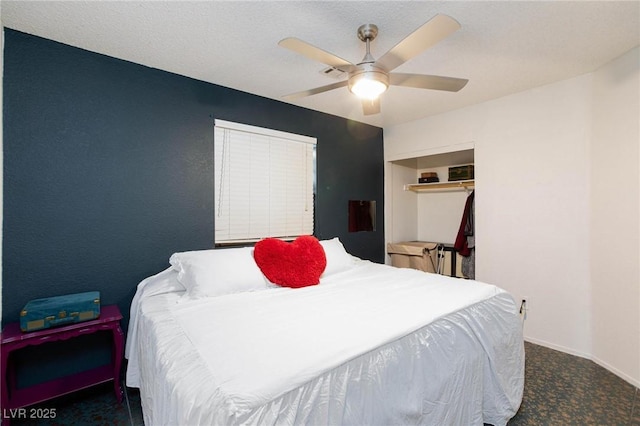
626 377
613 370
557 347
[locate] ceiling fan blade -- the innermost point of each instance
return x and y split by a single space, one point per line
316 54
434 30
433 82
316 90
371 106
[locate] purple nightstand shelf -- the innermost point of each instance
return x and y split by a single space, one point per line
13 339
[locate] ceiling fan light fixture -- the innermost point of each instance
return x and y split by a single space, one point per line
369 83
368 88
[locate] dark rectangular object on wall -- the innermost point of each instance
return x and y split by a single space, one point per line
461 172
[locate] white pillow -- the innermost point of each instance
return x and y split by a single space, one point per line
338 259
206 273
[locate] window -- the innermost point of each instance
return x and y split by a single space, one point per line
264 183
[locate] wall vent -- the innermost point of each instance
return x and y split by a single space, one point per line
333 72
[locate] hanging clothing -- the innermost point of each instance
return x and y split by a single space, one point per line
465 240
466 228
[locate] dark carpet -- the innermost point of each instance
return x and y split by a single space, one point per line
562 389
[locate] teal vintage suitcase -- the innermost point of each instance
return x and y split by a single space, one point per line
60 310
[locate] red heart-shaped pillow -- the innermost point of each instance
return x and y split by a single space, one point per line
296 264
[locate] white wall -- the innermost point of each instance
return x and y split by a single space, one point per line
400 206
615 213
439 215
533 203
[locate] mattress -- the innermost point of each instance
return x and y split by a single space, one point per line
373 344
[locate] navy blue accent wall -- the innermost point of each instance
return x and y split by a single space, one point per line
108 170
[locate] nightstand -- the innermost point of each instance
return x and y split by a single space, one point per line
13 399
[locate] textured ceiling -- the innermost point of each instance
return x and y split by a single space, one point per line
503 47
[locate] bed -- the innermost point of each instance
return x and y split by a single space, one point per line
212 341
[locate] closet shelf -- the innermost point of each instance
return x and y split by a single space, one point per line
440 186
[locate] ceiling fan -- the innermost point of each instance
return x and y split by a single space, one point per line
370 78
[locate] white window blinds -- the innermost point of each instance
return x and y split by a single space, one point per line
264 183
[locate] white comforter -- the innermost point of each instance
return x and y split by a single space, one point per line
372 345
